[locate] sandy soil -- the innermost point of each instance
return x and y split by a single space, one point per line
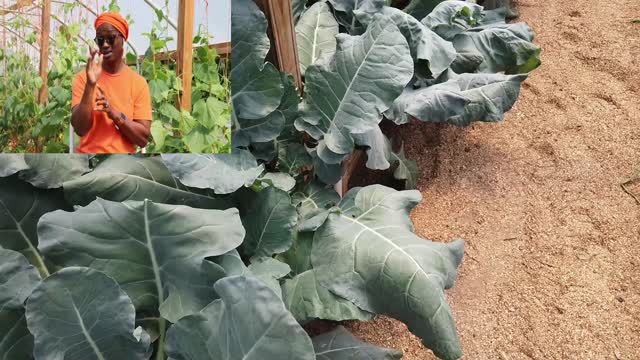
552 265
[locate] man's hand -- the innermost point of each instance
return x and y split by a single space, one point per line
102 104
94 70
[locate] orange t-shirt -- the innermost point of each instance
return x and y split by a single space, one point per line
127 92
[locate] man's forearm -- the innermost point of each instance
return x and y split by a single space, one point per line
82 115
134 131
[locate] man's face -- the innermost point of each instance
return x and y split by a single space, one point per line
110 43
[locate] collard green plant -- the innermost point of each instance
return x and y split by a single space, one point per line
450 61
129 265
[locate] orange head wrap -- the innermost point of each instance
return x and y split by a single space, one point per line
114 19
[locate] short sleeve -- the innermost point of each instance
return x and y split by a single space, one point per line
77 89
142 103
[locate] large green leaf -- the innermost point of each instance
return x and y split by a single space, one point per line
313 203
452 17
292 157
269 271
501 48
282 181
44 171
467 62
82 314
48 171
327 173
421 8
269 224
378 148
278 124
156 252
368 254
521 29
289 108
346 10
21 206
263 329
123 177
308 300
256 87
505 5
430 52
316 34
298 257
11 164
17 280
339 344
407 169
16 342
460 101
297 8
436 103
259 130
224 173
491 95
349 94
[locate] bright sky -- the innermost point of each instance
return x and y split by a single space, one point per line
218 18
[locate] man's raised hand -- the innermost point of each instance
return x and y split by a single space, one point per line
94 70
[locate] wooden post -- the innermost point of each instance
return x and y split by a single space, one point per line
185 50
283 36
44 50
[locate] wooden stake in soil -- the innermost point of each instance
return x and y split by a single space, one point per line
44 50
284 54
283 37
185 50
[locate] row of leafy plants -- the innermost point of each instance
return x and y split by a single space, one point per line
31 127
189 256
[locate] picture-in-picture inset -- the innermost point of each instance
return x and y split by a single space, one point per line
115 76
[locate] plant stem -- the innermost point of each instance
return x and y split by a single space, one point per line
162 329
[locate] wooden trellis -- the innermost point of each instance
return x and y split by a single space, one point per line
284 54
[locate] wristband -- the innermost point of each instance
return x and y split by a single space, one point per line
122 119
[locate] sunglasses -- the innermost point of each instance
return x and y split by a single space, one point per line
109 39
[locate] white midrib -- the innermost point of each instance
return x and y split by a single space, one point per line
264 228
356 75
255 346
178 190
315 38
158 281
86 334
419 268
152 254
313 202
353 19
336 350
33 250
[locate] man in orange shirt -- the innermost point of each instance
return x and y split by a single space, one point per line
111 104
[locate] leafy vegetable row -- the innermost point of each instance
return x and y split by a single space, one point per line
447 61
205 256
